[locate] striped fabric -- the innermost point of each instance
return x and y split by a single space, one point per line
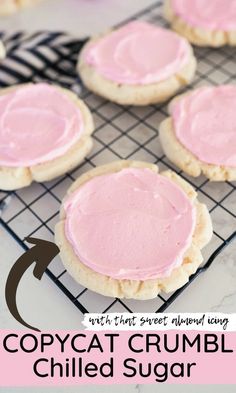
41 56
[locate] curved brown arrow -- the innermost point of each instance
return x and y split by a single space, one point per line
42 253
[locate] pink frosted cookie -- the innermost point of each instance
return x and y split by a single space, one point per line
203 22
200 135
127 231
137 64
44 132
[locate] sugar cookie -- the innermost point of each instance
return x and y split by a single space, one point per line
8 7
45 131
127 231
137 64
203 23
200 135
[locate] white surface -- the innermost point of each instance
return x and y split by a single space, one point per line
80 17
42 303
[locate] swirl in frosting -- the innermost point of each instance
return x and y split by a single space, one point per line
138 53
37 124
210 14
133 224
205 123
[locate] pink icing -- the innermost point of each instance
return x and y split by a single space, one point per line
37 124
133 224
208 14
138 53
205 123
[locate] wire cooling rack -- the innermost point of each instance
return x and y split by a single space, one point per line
121 133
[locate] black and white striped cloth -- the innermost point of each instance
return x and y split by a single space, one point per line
42 56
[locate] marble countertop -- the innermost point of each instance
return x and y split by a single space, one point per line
214 290
81 17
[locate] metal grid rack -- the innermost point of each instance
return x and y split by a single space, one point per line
121 133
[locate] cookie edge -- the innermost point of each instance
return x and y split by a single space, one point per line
135 289
197 35
13 178
139 95
179 155
12 6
